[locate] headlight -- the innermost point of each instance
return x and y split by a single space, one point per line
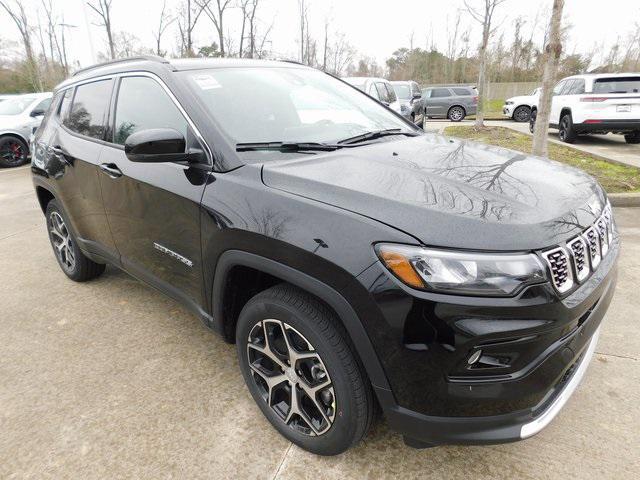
508 102
464 273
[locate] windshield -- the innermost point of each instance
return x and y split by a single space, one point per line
617 85
15 106
402 91
284 104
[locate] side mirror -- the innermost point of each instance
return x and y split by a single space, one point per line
158 145
417 95
38 112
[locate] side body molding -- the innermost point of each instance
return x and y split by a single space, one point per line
335 300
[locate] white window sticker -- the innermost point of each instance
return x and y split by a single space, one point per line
206 82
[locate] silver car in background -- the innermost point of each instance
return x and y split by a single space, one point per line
378 88
453 103
19 117
409 96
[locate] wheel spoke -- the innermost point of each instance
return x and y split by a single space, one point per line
311 393
267 352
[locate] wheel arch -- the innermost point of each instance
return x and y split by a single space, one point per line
278 272
16 135
44 197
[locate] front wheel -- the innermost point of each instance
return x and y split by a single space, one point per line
632 137
566 131
301 371
522 114
456 114
13 152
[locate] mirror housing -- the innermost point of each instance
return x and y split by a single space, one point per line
417 95
37 112
157 145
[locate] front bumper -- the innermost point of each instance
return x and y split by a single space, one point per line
507 110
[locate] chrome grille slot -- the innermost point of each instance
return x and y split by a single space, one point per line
601 226
593 241
578 252
561 274
609 219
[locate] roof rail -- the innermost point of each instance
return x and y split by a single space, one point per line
150 58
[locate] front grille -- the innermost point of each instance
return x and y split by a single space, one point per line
578 250
561 274
583 253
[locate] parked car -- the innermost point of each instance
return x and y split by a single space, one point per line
410 97
595 103
519 108
18 117
378 88
6 97
453 103
356 261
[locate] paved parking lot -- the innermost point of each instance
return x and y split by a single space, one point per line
610 146
109 379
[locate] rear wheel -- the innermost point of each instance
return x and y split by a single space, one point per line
13 152
65 247
522 114
566 130
456 114
633 137
301 371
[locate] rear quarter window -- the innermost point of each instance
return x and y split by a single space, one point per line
463 92
87 113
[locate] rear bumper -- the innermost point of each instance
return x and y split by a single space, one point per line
608 126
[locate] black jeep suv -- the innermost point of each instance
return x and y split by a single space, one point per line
356 262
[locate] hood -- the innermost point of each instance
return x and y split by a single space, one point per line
521 99
12 121
449 193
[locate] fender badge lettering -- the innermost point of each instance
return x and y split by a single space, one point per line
173 254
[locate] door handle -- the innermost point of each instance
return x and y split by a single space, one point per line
111 169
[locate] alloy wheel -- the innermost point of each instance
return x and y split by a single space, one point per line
61 241
12 152
522 115
456 114
291 377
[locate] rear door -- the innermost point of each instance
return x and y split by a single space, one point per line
557 101
438 102
71 146
154 208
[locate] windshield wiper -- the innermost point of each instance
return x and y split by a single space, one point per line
363 137
286 146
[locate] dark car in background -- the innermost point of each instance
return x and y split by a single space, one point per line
454 103
356 261
409 96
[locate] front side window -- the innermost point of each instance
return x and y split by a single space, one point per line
143 104
382 92
402 91
558 88
286 104
88 109
43 106
391 95
15 106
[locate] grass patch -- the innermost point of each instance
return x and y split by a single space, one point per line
493 110
613 177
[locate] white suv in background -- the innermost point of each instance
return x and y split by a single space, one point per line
378 88
519 108
596 103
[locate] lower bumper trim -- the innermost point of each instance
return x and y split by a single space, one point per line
529 429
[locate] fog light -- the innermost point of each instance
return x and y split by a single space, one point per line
475 356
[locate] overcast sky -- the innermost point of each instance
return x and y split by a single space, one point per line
375 28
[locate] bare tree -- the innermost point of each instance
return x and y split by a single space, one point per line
103 10
304 26
452 43
553 50
187 19
19 16
484 16
217 17
163 23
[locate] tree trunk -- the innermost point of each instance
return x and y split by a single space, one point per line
553 50
482 76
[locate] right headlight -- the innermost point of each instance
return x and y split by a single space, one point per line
462 273
508 102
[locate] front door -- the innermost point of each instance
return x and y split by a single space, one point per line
154 208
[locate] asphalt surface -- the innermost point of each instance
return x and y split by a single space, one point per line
610 146
110 379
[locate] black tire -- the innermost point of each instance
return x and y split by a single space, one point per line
456 114
522 114
633 138
566 131
532 120
72 261
13 151
286 308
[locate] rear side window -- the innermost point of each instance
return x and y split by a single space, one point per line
617 85
143 104
88 109
440 93
576 88
391 94
463 92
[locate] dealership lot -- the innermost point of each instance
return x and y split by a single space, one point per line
112 379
